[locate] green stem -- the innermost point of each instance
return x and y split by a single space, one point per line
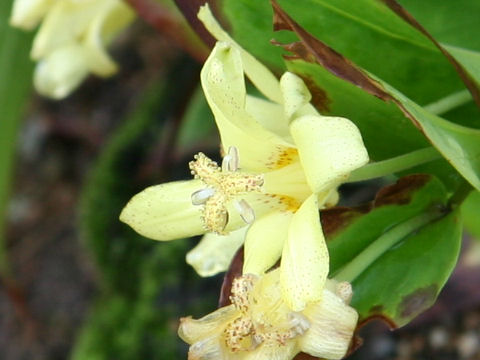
372 252
449 102
460 194
390 166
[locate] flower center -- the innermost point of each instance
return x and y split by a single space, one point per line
222 186
262 321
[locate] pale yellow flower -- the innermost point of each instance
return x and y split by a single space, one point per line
283 162
71 40
258 325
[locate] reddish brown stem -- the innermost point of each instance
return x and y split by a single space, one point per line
161 19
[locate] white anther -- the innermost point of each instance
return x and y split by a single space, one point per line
201 196
226 163
231 160
246 212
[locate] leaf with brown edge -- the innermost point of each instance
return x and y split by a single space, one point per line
470 81
399 286
310 49
403 192
396 286
459 145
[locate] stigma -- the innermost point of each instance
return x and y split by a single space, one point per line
223 185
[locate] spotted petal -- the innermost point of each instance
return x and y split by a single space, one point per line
165 212
214 253
264 242
224 87
258 73
296 97
305 260
329 149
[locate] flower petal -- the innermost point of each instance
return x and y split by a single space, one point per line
165 212
214 253
264 242
296 96
329 149
26 14
224 87
288 180
262 205
305 260
332 326
106 24
272 352
258 73
210 348
65 23
270 115
59 73
192 330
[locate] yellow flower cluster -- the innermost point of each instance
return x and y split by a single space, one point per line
283 162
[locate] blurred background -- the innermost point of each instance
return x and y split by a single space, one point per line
75 282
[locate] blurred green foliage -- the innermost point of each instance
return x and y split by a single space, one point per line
15 84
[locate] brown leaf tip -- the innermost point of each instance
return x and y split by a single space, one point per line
418 301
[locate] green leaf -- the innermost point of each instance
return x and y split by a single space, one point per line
458 144
454 25
350 230
385 130
451 22
471 80
470 214
413 272
15 74
384 247
366 31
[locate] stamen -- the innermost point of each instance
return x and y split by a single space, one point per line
222 187
246 211
234 158
201 196
226 163
241 287
231 161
